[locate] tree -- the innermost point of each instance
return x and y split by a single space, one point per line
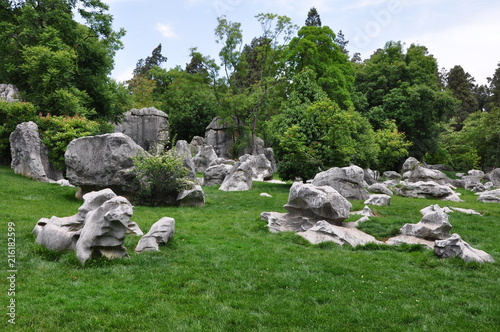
493 99
315 48
342 43
462 85
313 18
143 67
60 65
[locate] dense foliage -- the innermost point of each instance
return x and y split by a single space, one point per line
11 114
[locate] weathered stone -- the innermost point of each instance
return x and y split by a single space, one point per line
454 246
260 166
466 211
326 232
265 195
222 161
348 181
475 172
204 157
365 212
284 222
58 234
8 93
391 175
318 203
371 177
379 200
433 226
215 175
29 155
400 239
103 161
495 177
380 188
148 127
422 174
183 150
160 233
196 143
410 164
492 196
193 197
239 178
424 190
104 231
221 135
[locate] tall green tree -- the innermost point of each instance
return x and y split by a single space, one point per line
60 65
313 18
493 99
462 85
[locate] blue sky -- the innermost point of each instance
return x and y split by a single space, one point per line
456 32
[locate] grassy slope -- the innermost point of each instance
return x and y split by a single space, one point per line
225 272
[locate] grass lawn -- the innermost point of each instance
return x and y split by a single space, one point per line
224 271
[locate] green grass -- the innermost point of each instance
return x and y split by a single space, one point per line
224 271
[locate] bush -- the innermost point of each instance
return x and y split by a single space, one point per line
58 131
160 178
12 114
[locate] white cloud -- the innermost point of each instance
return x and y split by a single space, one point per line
166 30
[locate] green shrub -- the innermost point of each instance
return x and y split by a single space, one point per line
58 131
12 114
159 178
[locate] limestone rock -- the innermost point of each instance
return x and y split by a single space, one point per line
196 143
148 127
284 222
215 175
380 188
326 232
495 177
391 175
160 233
318 203
104 230
433 226
239 178
410 164
365 212
400 239
348 181
204 157
422 174
492 196
379 200
8 93
423 189
184 151
192 197
58 234
103 161
260 166
29 155
454 246
220 135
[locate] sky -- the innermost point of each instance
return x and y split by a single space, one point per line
456 32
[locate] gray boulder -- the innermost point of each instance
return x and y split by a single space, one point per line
221 135
160 233
284 222
371 177
380 188
367 212
422 174
239 178
103 161
205 156
184 151
215 175
492 196
495 177
433 226
410 164
348 181
196 143
261 167
326 232
423 189
454 246
104 230
192 197
29 155
379 200
317 203
400 239
391 175
9 93
148 127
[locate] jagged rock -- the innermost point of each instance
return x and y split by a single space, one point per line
284 222
495 177
326 232
183 150
193 197
371 177
8 93
103 161
400 239
318 203
365 212
160 233
379 200
391 175
466 211
424 190
148 127
239 178
260 166
422 174
29 155
204 157
453 197
357 222
269 153
265 195
196 143
492 196
475 172
380 188
348 181
433 226
58 234
410 164
215 175
454 246
221 135
222 161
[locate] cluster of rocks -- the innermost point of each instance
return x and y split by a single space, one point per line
99 229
